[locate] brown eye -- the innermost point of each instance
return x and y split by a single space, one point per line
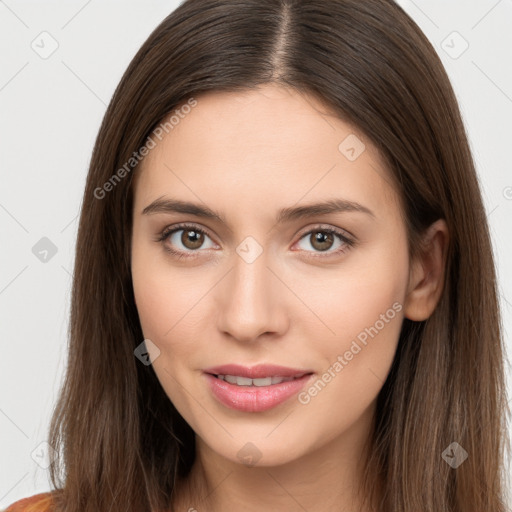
322 240
325 240
185 239
192 239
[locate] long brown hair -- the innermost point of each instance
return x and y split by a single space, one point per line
122 444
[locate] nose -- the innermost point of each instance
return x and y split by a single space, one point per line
251 301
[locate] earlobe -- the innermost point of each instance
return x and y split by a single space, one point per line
426 281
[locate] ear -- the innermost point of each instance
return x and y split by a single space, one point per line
426 277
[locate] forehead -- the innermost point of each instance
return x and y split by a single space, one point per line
263 146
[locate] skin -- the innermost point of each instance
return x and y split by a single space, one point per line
247 156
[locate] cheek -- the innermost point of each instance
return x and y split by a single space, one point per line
152 298
365 312
366 317
362 305
354 296
163 293
167 305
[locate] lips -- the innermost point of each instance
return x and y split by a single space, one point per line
255 389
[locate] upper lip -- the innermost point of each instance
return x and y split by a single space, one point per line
256 372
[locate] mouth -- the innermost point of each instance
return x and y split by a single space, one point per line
260 382
255 389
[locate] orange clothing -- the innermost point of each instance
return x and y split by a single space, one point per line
42 502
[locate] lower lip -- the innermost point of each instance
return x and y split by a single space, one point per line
254 398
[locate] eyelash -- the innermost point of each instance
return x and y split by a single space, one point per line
162 237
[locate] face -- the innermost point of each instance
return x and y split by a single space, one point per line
263 280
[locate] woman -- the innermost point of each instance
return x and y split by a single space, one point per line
284 294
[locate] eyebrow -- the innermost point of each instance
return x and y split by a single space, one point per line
165 205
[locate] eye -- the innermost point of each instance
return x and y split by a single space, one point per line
323 239
184 238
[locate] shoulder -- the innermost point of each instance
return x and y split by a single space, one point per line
42 502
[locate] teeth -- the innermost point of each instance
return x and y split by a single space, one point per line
240 381
267 381
244 381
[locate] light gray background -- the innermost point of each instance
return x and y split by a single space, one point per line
51 109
